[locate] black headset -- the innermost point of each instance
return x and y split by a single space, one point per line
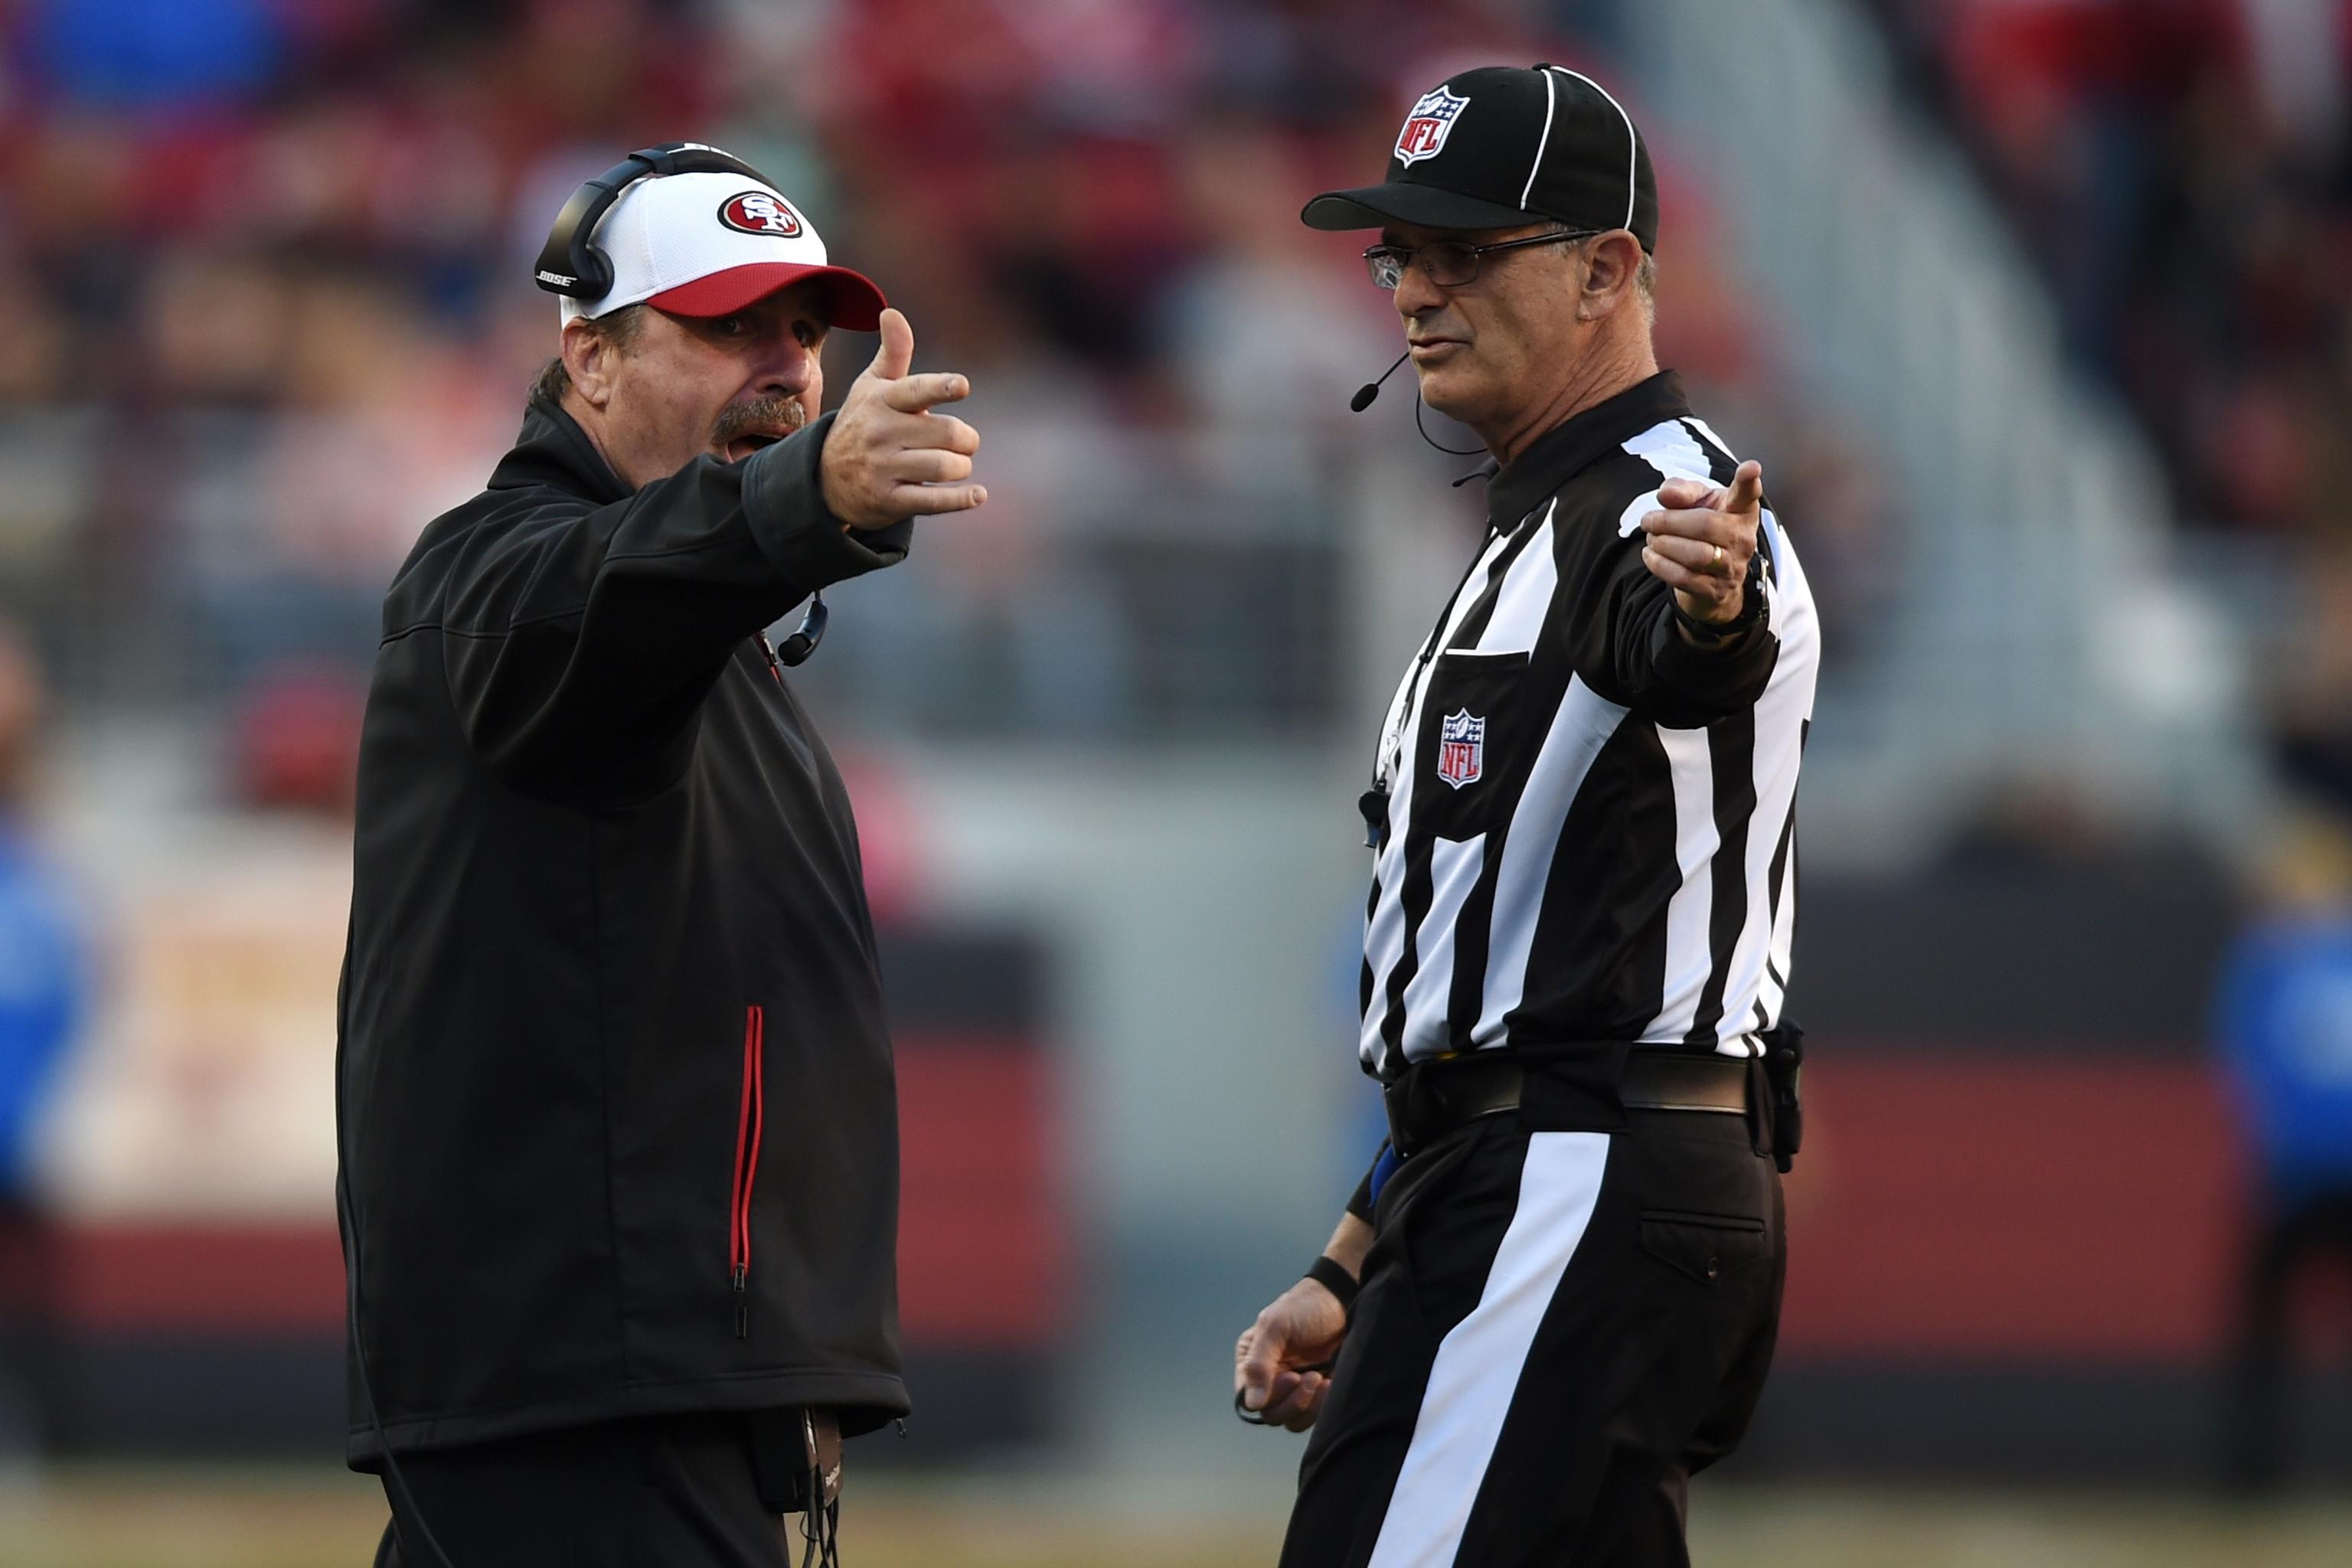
568 263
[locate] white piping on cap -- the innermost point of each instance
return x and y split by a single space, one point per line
1550 93
1633 139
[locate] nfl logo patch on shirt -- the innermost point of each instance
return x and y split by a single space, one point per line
1461 748
1427 128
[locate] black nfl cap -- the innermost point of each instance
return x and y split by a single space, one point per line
1503 145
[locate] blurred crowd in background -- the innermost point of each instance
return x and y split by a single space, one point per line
268 261
2181 170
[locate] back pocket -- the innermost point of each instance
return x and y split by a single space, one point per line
1705 1246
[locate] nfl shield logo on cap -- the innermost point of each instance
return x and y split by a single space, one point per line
1543 143
1461 748
1427 128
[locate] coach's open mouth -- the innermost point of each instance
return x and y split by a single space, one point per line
743 446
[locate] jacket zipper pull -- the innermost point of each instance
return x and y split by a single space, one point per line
750 1120
769 650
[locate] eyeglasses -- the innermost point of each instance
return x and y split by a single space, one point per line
1449 263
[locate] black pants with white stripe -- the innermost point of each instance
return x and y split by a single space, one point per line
1556 1330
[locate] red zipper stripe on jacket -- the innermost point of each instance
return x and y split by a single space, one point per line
750 1122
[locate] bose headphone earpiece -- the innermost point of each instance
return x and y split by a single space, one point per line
568 263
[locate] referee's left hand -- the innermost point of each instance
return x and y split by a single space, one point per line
1300 1328
1701 540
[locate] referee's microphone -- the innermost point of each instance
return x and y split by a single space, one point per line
1371 389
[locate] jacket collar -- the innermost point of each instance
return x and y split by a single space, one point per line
1559 453
553 451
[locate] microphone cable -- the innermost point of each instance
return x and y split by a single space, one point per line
1371 389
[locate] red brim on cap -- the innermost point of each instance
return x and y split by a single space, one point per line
853 301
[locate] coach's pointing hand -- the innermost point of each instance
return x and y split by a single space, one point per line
1702 540
887 457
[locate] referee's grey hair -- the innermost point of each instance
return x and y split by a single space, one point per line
618 328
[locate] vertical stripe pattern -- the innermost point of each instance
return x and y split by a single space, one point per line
1387 964
1579 729
1567 852
1691 778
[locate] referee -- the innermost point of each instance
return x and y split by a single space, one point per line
1554 1296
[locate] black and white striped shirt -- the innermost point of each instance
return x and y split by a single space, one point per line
1585 825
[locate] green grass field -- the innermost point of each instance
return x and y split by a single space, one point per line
115 1517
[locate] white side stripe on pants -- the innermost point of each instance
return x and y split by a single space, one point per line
1478 1366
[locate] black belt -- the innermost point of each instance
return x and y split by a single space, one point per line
1435 1098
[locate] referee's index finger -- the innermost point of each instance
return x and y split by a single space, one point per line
913 394
1747 488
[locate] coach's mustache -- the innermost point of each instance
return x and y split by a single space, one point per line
763 415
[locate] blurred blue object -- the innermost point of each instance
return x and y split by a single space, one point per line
1387 1166
44 991
2285 1029
154 52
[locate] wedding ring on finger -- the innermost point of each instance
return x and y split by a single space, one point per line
1718 562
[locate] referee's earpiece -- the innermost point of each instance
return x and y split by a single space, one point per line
794 649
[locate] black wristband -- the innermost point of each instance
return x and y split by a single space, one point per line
1326 1272
1717 634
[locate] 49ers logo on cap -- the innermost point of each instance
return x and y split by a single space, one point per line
1427 128
760 211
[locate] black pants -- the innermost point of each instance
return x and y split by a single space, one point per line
683 1491
1556 1330
2311 1233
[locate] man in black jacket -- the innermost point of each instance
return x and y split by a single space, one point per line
618 1119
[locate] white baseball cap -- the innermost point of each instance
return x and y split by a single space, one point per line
709 245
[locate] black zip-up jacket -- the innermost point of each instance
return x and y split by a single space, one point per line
618 1124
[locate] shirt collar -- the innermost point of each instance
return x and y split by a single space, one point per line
553 451
1559 453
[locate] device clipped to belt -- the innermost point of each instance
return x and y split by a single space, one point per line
796 1455
1784 1058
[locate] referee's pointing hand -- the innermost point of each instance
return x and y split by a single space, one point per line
887 457
1702 540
